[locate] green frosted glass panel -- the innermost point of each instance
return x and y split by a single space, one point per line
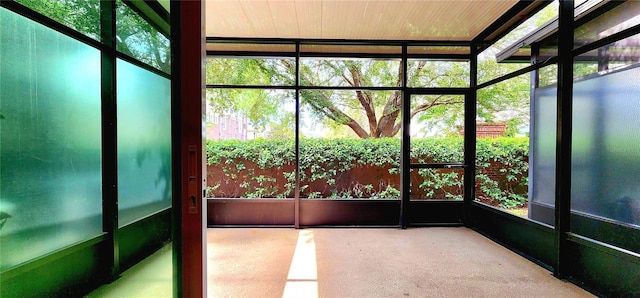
144 142
605 147
137 38
542 155
80 15
605 163
543 151
50 143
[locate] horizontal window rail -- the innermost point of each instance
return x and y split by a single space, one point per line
437 166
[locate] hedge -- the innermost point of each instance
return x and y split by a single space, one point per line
365 168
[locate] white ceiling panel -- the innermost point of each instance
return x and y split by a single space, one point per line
459 20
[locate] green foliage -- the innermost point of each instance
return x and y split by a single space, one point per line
139 39
265 168
506 101
134 36
361 113
264 153
83 16
512 156
265 109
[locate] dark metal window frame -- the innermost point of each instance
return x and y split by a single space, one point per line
564 60
566 241
405 217
581 242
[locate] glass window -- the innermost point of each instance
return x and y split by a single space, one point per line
80 15
137 38
605 151
613 56
256 160
543 154
434 73
624 16
548 75
353 49
489 68
251 71
144 142
50 132
350 72
502 147
458 50
346 151
439 118
436 184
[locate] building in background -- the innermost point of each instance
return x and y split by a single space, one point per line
230 126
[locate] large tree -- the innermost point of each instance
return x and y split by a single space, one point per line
379 111
366 113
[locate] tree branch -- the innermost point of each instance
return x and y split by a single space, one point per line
326 108
364 97
396 128
387 126
433 103
417 71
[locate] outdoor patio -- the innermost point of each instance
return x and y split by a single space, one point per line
419 262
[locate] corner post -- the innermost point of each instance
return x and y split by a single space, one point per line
563 136
470 111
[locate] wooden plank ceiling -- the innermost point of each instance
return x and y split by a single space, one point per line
453 20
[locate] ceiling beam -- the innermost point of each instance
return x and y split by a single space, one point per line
515 16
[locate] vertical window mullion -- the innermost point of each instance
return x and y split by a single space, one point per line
109 137
563 136
405 147
297 141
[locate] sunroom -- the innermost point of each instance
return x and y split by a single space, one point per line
129 125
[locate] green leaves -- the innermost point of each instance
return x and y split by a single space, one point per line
265 153
362 113
83 16
264 168
509 158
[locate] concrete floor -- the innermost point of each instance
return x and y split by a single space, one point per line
420 262
149 278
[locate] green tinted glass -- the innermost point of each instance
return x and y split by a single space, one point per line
81 15
135 37
144 142
50 144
